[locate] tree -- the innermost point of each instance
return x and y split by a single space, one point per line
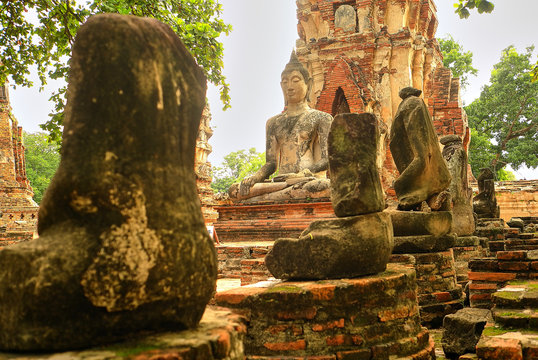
45 42
505 116
42 160
457 60
482 6
236 166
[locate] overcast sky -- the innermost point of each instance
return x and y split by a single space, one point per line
264 33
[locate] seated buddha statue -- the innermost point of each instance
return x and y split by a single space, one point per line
296 146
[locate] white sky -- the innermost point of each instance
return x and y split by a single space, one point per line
258 48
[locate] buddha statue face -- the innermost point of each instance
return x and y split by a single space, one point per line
294 87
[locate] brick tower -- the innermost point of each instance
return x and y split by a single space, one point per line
18 211
202 168
362 52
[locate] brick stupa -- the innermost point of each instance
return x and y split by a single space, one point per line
18 211
361 53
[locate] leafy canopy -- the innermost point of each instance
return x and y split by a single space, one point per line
457 60
42 160
236 166
38 34
504 119
482 6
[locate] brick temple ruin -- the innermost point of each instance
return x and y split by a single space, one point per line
361 53
18 211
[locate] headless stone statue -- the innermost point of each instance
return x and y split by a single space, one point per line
485 203
422 187
413 143
122 247
462 210
296 146
360 240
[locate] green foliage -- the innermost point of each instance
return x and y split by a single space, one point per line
505 175
482 6
42 160
457 60
504 119
39 33
236 166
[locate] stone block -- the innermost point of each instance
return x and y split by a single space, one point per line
407 223
462 331
422 243
344 247
355 183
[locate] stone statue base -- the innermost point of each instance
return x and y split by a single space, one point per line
423 243
330 249
353 318
407 223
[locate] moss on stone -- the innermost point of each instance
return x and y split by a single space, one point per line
514 314
494 331
130 349
285 289
509 295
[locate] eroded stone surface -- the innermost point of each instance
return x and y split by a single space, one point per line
355 183
406 223
485 203
462 331
330 249
345 18
122 246
415 149
462 209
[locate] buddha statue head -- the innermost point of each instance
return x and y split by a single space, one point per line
295 81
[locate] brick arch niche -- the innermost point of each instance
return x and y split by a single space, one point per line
341 90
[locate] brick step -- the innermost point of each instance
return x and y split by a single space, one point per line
510 345
517 295
527 236
516 318
522 247
531 241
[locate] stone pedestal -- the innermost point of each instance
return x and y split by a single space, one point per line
219 335
493 232
330 249
438 292
465 249
373 317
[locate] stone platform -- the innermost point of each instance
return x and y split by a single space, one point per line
268 222
438 291
219 335
371 317
515 334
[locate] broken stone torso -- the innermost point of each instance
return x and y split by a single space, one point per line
295 141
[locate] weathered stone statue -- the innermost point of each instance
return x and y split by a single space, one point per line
485 203
422 187
296 145
360 241
424 176
122 247
462 210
